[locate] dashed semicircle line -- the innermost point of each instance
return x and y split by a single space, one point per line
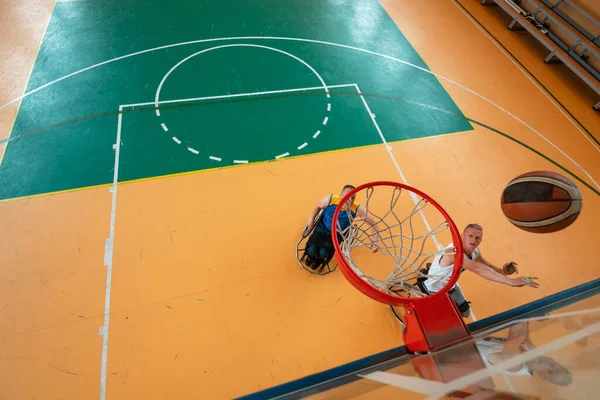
219 159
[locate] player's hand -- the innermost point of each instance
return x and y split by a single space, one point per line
309 226
510 268
525 281
374 239
373 247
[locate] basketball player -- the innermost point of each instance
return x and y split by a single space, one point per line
319 247
441 269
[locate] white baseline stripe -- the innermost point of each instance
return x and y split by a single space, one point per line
109 260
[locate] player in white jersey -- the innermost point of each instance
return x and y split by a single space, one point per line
440 270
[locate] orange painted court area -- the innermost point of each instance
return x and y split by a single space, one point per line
206 296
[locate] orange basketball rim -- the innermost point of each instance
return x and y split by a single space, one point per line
396 213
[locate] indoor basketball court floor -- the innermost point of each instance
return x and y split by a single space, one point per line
164 157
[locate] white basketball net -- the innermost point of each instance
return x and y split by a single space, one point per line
404 235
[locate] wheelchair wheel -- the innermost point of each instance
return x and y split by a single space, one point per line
409 291
301 255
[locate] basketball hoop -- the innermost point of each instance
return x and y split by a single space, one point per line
397 224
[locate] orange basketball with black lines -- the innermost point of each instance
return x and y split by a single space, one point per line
541 202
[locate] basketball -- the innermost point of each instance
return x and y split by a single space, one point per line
541 202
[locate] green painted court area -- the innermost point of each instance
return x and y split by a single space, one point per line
267 88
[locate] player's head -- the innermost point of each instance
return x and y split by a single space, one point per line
345 191
551 371
472 237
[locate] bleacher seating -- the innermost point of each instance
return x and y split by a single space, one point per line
565 40
577 17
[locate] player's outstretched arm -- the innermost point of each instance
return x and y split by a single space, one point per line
361 213
508 269
488 273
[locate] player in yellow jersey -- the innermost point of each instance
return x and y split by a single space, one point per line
319 247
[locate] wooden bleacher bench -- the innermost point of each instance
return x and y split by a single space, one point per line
559 52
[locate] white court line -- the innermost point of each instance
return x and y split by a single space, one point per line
240 161
425 70
282 155
237 95
389 150
473 316
537 85
193 150
303 145
412 195
29 76
228 96
214 158
224 46
108 259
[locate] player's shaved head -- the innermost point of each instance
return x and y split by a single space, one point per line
474 226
